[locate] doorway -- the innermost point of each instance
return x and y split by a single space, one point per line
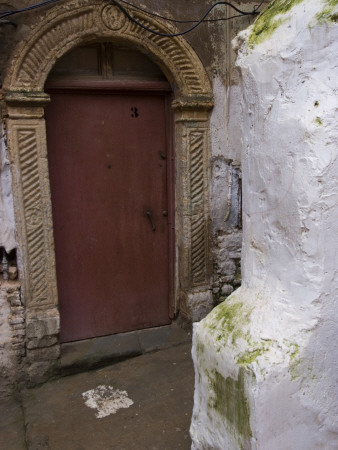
25 100
110 163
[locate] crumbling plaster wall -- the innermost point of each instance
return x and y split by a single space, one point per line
12 335
12 314
265 359
225 164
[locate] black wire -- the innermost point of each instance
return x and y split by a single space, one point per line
256 8
181 33
193 21
8 22
196 22
28 8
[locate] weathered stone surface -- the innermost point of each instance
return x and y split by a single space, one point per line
227 289
11 339
227 263
38 372
45 325
92 352
12 273
45 341
199 304
163 337
44 354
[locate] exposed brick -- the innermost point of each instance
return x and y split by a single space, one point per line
19 326
12 273
19 333
16 321
17 309
18 340
14 300
17 346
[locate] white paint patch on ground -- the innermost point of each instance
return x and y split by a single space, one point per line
106 400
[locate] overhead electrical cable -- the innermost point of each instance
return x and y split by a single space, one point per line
168 19
196 23
256 7
27 8
180 33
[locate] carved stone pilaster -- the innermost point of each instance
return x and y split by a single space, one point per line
193 129
27 145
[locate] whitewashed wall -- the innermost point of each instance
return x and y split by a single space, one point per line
266 359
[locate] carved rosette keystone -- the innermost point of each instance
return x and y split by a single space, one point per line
113 18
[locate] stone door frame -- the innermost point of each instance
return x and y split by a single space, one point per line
64 28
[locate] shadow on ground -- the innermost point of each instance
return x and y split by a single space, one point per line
160 385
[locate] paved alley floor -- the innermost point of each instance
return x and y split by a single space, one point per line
154 392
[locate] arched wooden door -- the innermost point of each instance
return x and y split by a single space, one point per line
108 154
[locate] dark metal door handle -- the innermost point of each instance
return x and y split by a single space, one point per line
150 217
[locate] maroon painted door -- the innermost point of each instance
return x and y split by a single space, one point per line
108 174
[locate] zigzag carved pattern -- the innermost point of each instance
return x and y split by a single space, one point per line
198 261
171 47
196 170
32 205
63 31
198 251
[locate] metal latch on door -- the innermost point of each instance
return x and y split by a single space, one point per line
150 217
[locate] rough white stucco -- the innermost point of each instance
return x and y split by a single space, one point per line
266 359
7 227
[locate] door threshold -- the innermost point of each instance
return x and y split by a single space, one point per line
88 354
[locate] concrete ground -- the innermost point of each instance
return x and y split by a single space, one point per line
154 392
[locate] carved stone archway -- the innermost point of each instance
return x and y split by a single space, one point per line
64 28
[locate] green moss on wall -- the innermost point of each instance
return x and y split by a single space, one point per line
230 322
270 19
295 352
328 13
226 314
228 318
294 364
231 403
250 356
238 333
199 348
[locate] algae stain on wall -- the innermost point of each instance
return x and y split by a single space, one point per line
270 19
328 13
228 318
230 402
